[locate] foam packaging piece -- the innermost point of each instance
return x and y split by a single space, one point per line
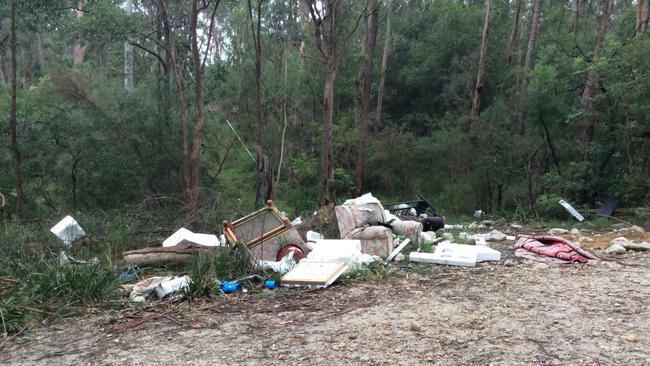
183 235
68 230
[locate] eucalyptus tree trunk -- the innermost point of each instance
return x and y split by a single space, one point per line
369 42
587 102
513 34
128 53
12 117
476 102
528 64
79 49
326 43
384 65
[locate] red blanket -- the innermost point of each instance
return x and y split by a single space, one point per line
553 247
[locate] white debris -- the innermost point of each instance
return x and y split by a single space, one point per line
177 284
68 230
297 221
282 266
184 235
575 231
314 236
571 210
348 251
496 235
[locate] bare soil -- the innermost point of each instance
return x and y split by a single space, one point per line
508 313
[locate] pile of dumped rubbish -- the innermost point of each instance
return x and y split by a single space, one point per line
367 233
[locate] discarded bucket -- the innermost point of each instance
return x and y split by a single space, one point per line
271 284
298 254
229 287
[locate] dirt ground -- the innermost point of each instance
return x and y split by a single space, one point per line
508 313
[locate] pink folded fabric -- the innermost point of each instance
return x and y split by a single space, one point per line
555 248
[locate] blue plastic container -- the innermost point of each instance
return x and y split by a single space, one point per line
271 284
229 287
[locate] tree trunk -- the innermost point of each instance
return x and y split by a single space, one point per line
587 102
513 35
528 64
640 21
79 50
261 181
476 102
364 78
128 53
195 163
384 65
576 14
180 95
12 117
330 57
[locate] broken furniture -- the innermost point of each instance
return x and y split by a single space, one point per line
264 232
181 253
314 274
355 218
421 206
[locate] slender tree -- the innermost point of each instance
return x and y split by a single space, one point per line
12 118
528 64
384 64
128 53
513 34
79 49
640 16
476 102
587 102
364 81
325 21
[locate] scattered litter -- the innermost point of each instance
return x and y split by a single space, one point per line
552 249
455 226
478 213
447 256
496 235
557 231
364 219
183 236
516 226
68 230
483 253
127 277
572 210
271 284
282 266
314 236
575 231
67 260
146 288
397 250
346 251
399 257
297 221
174 285
448 236
608 207
314 274
298 254
264 233
178 254
427 237
229 287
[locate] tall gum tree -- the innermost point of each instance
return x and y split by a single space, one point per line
324 16
364 80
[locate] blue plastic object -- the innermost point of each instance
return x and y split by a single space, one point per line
271 284
126 277
229 287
